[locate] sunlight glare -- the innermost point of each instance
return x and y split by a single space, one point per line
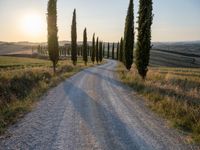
32 24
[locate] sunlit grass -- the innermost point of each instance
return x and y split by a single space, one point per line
20 87
172 92
6 61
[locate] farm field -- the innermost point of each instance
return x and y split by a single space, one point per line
14 62
174 59
177 54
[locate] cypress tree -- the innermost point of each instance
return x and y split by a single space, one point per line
103 50
74 39
129 37
108 52
100 51
81 50
144 36
68 51
93 49
117 51
113 51
85 45
88 50
97 50
38 50
121 50
78 50
52 33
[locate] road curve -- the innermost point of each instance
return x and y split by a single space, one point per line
92 110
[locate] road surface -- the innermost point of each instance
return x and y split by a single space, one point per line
92 111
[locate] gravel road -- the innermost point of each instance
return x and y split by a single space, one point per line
92 111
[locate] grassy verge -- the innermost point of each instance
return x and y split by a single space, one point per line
174 93
21 87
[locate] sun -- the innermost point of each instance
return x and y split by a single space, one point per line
32 24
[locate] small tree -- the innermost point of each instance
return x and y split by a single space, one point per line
113 51
121 50
129 37
88 50
100 51
103 50
85 46
144 36
93 49
108 52
117 51
74 39
52 33
97 50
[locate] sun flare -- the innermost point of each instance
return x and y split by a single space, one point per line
32 24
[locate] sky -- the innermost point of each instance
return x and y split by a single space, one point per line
25 20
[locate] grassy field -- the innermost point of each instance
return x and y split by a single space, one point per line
172 92
178 54
174 59
14 62
24 80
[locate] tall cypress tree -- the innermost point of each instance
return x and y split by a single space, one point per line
97 50
108 51
117 51
144 36
85 47
129 37
113 51
78 50
52 33
74 39
88 50
103 50
100 51
121 50
93 49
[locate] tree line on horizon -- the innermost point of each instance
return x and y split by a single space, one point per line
124 51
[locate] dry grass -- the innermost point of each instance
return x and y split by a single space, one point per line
172 92
21 87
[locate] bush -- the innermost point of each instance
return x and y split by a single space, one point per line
19 86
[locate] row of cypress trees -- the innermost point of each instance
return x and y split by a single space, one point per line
53 47
124 48
143 45
97 47
113 55
97 52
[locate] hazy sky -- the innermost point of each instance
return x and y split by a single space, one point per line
174 20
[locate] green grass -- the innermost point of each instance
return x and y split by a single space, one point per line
174 93
6 61
21 87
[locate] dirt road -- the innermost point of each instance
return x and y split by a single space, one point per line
92 110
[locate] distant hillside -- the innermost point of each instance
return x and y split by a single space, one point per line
183 47
9 48
25 47
176 54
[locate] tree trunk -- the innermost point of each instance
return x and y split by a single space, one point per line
54 68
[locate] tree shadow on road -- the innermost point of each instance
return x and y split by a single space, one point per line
115 133
107 78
